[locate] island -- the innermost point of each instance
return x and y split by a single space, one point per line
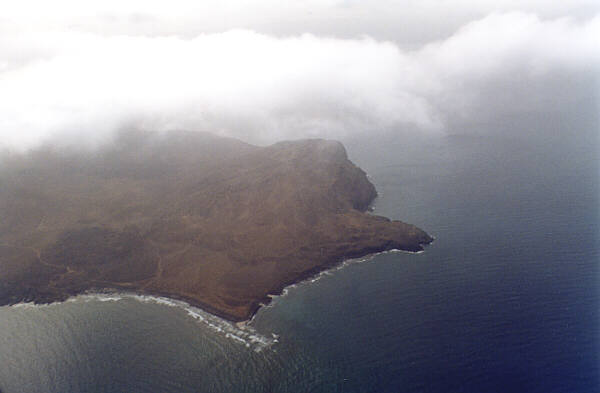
214 221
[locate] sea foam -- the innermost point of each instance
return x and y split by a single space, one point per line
240 333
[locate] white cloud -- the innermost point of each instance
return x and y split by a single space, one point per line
403 21
500 63
262 88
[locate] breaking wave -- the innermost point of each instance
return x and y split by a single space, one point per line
240 333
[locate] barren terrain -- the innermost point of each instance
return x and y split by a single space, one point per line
214 221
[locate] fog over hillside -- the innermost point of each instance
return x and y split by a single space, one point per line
323 68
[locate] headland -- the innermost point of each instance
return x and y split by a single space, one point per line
214 221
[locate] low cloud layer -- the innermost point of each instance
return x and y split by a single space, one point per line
262 88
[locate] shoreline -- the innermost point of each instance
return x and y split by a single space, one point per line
240 332
309 276
338 263
325 272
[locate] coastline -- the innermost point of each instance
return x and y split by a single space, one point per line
310 275
240 333
227 247
325 272
241 323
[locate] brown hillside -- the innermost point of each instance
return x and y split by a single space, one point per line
211 220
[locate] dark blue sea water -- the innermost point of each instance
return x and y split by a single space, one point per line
507 298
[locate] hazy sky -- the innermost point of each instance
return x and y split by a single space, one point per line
269 70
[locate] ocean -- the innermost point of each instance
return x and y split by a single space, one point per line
507 298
